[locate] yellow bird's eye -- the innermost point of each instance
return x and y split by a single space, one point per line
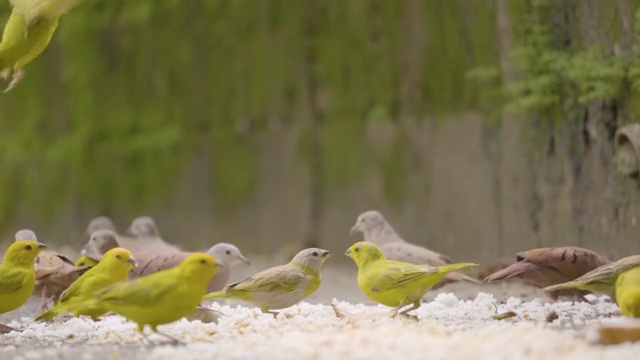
118 256
203 261
28 247
356 249
315 254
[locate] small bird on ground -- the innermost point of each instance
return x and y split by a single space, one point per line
281 286
544 267
144 236
160 298
17 276
378 231
114 267
227 255
395 283
100 223
601 280
99 243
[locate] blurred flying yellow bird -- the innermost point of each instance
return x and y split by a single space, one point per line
27 33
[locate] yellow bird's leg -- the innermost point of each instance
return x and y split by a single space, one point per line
394 313
265 310
5 329
15 80
172 340
416 305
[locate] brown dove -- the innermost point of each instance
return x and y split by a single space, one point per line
144 237
54 271
377 230
552 265
227 255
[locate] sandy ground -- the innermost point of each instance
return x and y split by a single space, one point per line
455 323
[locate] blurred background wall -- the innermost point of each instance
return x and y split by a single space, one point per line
478 127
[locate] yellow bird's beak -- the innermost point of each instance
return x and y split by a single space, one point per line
42 246
132 261
348 252
326 255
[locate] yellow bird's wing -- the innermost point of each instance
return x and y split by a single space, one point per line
12 280
278 279
141 291
390 274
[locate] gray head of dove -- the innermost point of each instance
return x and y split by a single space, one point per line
312 257
369 223
99 243
228 254
26 234
100 223
143 226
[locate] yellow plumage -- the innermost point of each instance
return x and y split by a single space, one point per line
113 268
159 298
395 283
17 275
628 292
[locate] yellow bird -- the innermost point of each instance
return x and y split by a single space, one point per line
628 292
17 276
27 33
159 298
395 283
85 261
114 267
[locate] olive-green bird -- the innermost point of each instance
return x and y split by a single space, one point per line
601 280
281 286
628 292
113 268
17 276
395 283
159 298
27 33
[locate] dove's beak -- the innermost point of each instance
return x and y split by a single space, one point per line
245 260
42 246
218 265
354 229
132 261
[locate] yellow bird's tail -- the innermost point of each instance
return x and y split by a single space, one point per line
455 267
563 286
47 315
214 295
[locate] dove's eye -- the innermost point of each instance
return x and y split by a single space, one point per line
228 252
28 247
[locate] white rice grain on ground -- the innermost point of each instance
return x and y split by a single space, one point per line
455 324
